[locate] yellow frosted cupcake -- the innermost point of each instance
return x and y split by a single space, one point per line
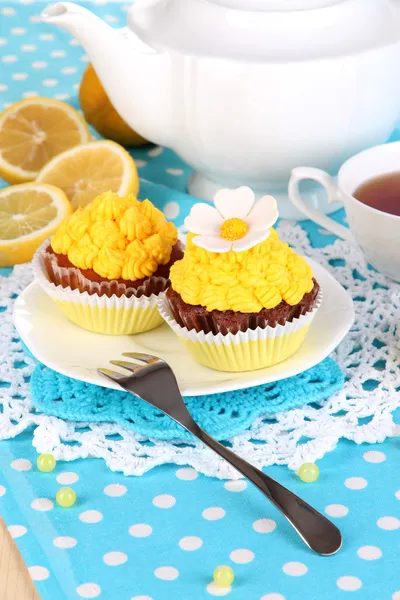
108 263
240 299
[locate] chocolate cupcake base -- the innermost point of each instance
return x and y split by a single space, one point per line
62 272
224 322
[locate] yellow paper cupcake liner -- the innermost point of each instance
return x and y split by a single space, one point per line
244 351
246 356
101 314
113 320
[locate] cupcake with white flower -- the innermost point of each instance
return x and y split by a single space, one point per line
240 298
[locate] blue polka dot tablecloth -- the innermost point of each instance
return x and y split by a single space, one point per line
160 536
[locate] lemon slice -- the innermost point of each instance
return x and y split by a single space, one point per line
86 171
29 213
35 130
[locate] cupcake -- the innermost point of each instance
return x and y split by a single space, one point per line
108 263
240 299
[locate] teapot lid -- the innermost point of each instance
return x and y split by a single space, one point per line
266 29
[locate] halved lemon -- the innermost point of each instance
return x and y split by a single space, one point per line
29 213
35 130
86 171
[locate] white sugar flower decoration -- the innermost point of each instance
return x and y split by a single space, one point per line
236 223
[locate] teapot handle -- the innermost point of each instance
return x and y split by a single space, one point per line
334 195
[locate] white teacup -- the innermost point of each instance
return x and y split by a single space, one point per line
376 232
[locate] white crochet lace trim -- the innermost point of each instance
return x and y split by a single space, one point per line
291 438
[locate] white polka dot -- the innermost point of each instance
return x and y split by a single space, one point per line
356 483
21 464
17 531
8 11
49 82
190 542
84 58
88 590
241 556
295 569
35 19
68 70
141 598
374 456
3 87
111 19
67 478
140 530
46 37
171 210
9 58
65 542
397 494
264 525
28 48
38 573
164 501
42 504
115 490
3 42
39 64
235 486
369 552
166 573
2 490
216 590
388 523
187 474
91 516
18 31
213 513
155 151
396 596
140 163
20 76
114 559
273 597
348 583
62 96
30 94
74 42
58 53
337 510
175 172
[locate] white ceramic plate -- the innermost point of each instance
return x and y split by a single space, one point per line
75 352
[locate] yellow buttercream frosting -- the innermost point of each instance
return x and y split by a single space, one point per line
242 281
119 238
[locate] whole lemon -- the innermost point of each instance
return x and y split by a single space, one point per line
100 113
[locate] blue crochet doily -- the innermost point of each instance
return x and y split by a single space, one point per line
221 415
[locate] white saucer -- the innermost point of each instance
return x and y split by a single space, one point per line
72 351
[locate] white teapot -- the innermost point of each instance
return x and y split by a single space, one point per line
245 90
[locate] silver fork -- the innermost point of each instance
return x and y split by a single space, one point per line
154 381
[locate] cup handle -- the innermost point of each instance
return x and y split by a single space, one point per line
334 195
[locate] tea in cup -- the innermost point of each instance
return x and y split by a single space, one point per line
368 184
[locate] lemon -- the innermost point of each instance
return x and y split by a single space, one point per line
100 113
29 213
86 171
32 132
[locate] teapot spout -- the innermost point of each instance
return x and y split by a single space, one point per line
134 75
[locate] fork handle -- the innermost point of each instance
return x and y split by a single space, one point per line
317 531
